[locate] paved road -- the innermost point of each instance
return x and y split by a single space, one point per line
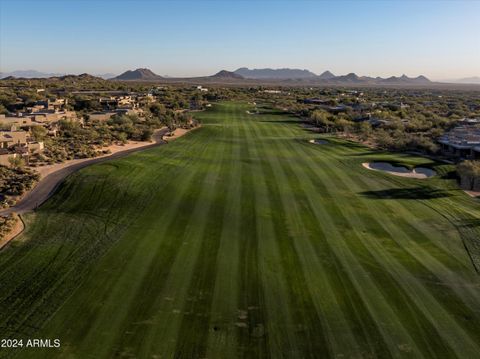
47 185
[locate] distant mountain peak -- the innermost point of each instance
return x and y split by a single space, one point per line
350 77
326 75
422 78
83 76
138 74
404 79
224 74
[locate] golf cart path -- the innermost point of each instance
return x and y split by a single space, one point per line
48 184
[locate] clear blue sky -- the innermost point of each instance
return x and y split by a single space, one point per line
440 39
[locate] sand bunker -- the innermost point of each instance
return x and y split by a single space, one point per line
318 142
418 172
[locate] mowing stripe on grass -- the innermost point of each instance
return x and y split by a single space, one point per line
222 340
241 239
359 225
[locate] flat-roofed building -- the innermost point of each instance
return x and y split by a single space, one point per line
12 138
17 121
101 116
462 141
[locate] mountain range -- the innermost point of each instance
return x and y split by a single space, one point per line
29 74
257 76
278 75
33 74
144 74
227 75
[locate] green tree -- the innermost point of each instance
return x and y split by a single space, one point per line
121 136
16 162
364 130
39 132
157 109
321 119
146 134
343 124
469 172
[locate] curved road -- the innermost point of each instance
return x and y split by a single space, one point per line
47 185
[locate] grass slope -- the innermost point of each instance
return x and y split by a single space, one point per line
244 240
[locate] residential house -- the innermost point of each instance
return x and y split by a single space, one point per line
18 121
201 88
15 143
12 138
119 102
462 142
35 147
49 116
59 104
101 116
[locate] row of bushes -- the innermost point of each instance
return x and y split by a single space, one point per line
393 134
76 140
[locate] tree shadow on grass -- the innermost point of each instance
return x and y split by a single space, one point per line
407 193
355 145
449 175
264 111
287 121
363 153
470 223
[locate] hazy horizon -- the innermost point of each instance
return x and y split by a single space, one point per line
440 40
168 76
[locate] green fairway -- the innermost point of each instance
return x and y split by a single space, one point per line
242 239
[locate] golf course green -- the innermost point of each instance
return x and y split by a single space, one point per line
243 239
